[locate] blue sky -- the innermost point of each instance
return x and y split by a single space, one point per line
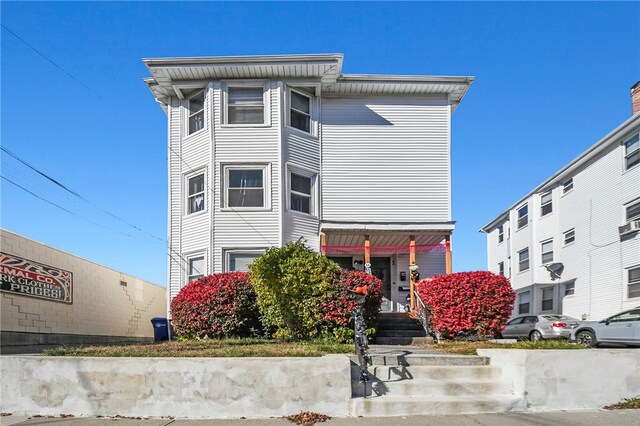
551 79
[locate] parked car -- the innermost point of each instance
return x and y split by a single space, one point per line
622 328
538 327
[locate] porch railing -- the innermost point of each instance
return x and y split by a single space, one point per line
422 312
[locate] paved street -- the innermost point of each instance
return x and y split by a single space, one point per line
577 418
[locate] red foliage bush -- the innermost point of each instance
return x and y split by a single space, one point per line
218 305
338 307
478 303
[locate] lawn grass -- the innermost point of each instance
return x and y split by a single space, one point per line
210 348
461 347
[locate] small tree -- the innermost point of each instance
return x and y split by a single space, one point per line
219 305
472 302
291 283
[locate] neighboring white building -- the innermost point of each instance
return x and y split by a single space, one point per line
264 150
572 245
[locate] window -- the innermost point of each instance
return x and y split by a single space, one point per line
523 216
300 193
245 105
240 260
547 299
195 268
515 321
245 186
501 268
523 260
567 185
195 197
569 236
546 204
633 315
569 289
546 248
633 284
300 117
633 212
500 234
196 113
524 300
632 152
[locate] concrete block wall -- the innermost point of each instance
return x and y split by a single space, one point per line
101 305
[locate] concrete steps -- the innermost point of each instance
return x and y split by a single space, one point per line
400 329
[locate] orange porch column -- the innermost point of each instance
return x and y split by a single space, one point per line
412 260
447 240
367 252
323 244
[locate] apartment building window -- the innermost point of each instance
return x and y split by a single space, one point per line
301 192
569 236
500 234
524 302
195 267
501 268
240 259
196 113
523 216
523 260
195 194
546 201
632 152
633 212
546 248
547 299
569 289
300 114
245 186
245 105
633 284
567 185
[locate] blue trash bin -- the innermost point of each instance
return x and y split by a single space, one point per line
160 329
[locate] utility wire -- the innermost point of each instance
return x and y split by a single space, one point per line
50 60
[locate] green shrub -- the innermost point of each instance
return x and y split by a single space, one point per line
291 283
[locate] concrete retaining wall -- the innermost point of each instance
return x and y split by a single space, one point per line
179 387
569 379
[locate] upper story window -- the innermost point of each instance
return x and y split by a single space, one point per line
569 236
633 212
300 115
500 234
195 195
567 185
523 216
245 105
632 152
245 186
523 260
546 248
501 268
196 113
301 192
546 203
570 288
195 268
633 284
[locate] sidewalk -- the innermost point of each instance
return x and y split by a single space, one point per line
564 418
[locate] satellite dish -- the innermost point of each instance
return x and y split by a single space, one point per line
555 270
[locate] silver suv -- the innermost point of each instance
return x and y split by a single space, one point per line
622 328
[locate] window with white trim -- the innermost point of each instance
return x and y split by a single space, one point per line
245 105
524 302
195 193
632 152
240 260
195 267
546 203
501 268
523 260
567 185
196 113
500 234
523 216
546 249
547 298
244 186
570 289
569 236
633 212
301 190
300 111
633 282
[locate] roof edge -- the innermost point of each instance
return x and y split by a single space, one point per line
200 60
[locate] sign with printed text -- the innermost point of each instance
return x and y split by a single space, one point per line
28 278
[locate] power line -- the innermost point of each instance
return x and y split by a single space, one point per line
51 61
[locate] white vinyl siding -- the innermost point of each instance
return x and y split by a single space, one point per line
385 159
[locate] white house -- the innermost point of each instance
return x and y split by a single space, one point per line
264 150
572 244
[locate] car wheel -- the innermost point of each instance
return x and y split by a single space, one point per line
586 338
535 336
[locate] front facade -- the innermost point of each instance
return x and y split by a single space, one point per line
572 245
265 150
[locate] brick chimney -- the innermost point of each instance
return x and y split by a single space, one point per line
635 98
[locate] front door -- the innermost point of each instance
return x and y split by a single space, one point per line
381 268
